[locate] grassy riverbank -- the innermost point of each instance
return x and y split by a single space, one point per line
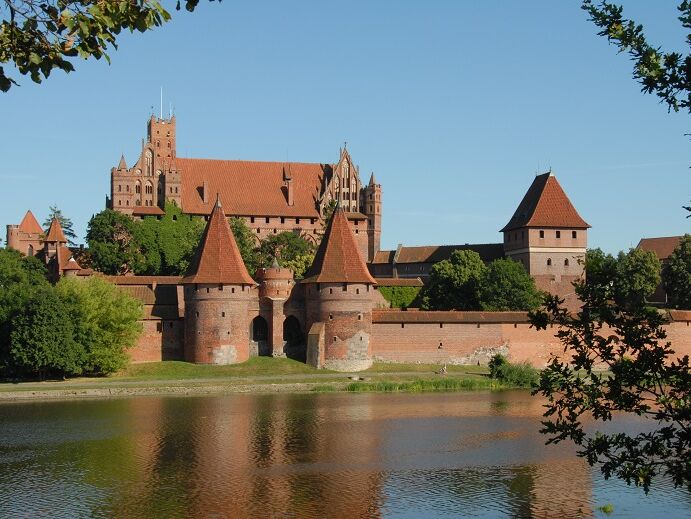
258 375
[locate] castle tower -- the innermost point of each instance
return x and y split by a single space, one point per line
275 287
25 237
371 204
218 292
339 301
55 253
145 184
548 236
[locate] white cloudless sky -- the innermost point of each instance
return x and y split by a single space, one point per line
455 106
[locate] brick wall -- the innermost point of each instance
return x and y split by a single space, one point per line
472 337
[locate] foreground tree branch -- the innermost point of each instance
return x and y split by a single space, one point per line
37 36
616 361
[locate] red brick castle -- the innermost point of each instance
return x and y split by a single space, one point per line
271 197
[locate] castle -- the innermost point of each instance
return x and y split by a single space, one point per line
336 317
271 197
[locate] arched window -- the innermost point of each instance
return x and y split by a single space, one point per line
149 161
566 262
119 188
30 250
549 262
138 187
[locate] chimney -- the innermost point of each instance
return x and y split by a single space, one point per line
288 179
205 192
291 200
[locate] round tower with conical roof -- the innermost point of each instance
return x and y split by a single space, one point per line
218 292
338 297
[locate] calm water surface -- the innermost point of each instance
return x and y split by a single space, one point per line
322 455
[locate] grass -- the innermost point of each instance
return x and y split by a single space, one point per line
178 370
606 509
421 385
391 367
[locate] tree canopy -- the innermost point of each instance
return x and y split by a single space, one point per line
631 277
464 282
112 247
506 286
37 37
676 275
290 250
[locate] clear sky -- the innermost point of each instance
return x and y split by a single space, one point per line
454 105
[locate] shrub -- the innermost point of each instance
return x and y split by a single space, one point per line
400 297
518 375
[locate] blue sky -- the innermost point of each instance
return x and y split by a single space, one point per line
454 105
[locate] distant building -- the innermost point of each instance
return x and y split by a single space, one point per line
271 197
663 248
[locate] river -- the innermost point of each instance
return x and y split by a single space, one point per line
332 455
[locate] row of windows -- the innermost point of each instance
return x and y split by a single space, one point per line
267 219
549 262
557 234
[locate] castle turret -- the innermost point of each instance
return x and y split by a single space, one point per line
275 286
218 290
339 301
548 236
371 204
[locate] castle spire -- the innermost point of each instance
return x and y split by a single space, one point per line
372 182
55 233
338 259
122 165
218 259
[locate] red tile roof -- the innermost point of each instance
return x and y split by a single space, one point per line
383 256
55 233
30 225
66 259
401 316
142 210
545 205
144 280
399 282
662 247
218 259
237 182
338 259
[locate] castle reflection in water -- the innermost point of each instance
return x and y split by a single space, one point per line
317 455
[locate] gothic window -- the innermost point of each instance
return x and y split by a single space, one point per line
176 190
149 188
566 262
137 187
149 161
30 250
119 188
128 202
139 201
549 262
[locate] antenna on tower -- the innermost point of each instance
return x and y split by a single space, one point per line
170 111
161 102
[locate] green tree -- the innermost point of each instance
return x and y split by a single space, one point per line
113 249
290 250
506 286
600 268
454 284
39 36
641 375
676 275
245 240
637 277
166 246
65 223
42 337
20 277
400 297
106 322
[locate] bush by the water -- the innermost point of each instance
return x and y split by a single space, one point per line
77 327
519 375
